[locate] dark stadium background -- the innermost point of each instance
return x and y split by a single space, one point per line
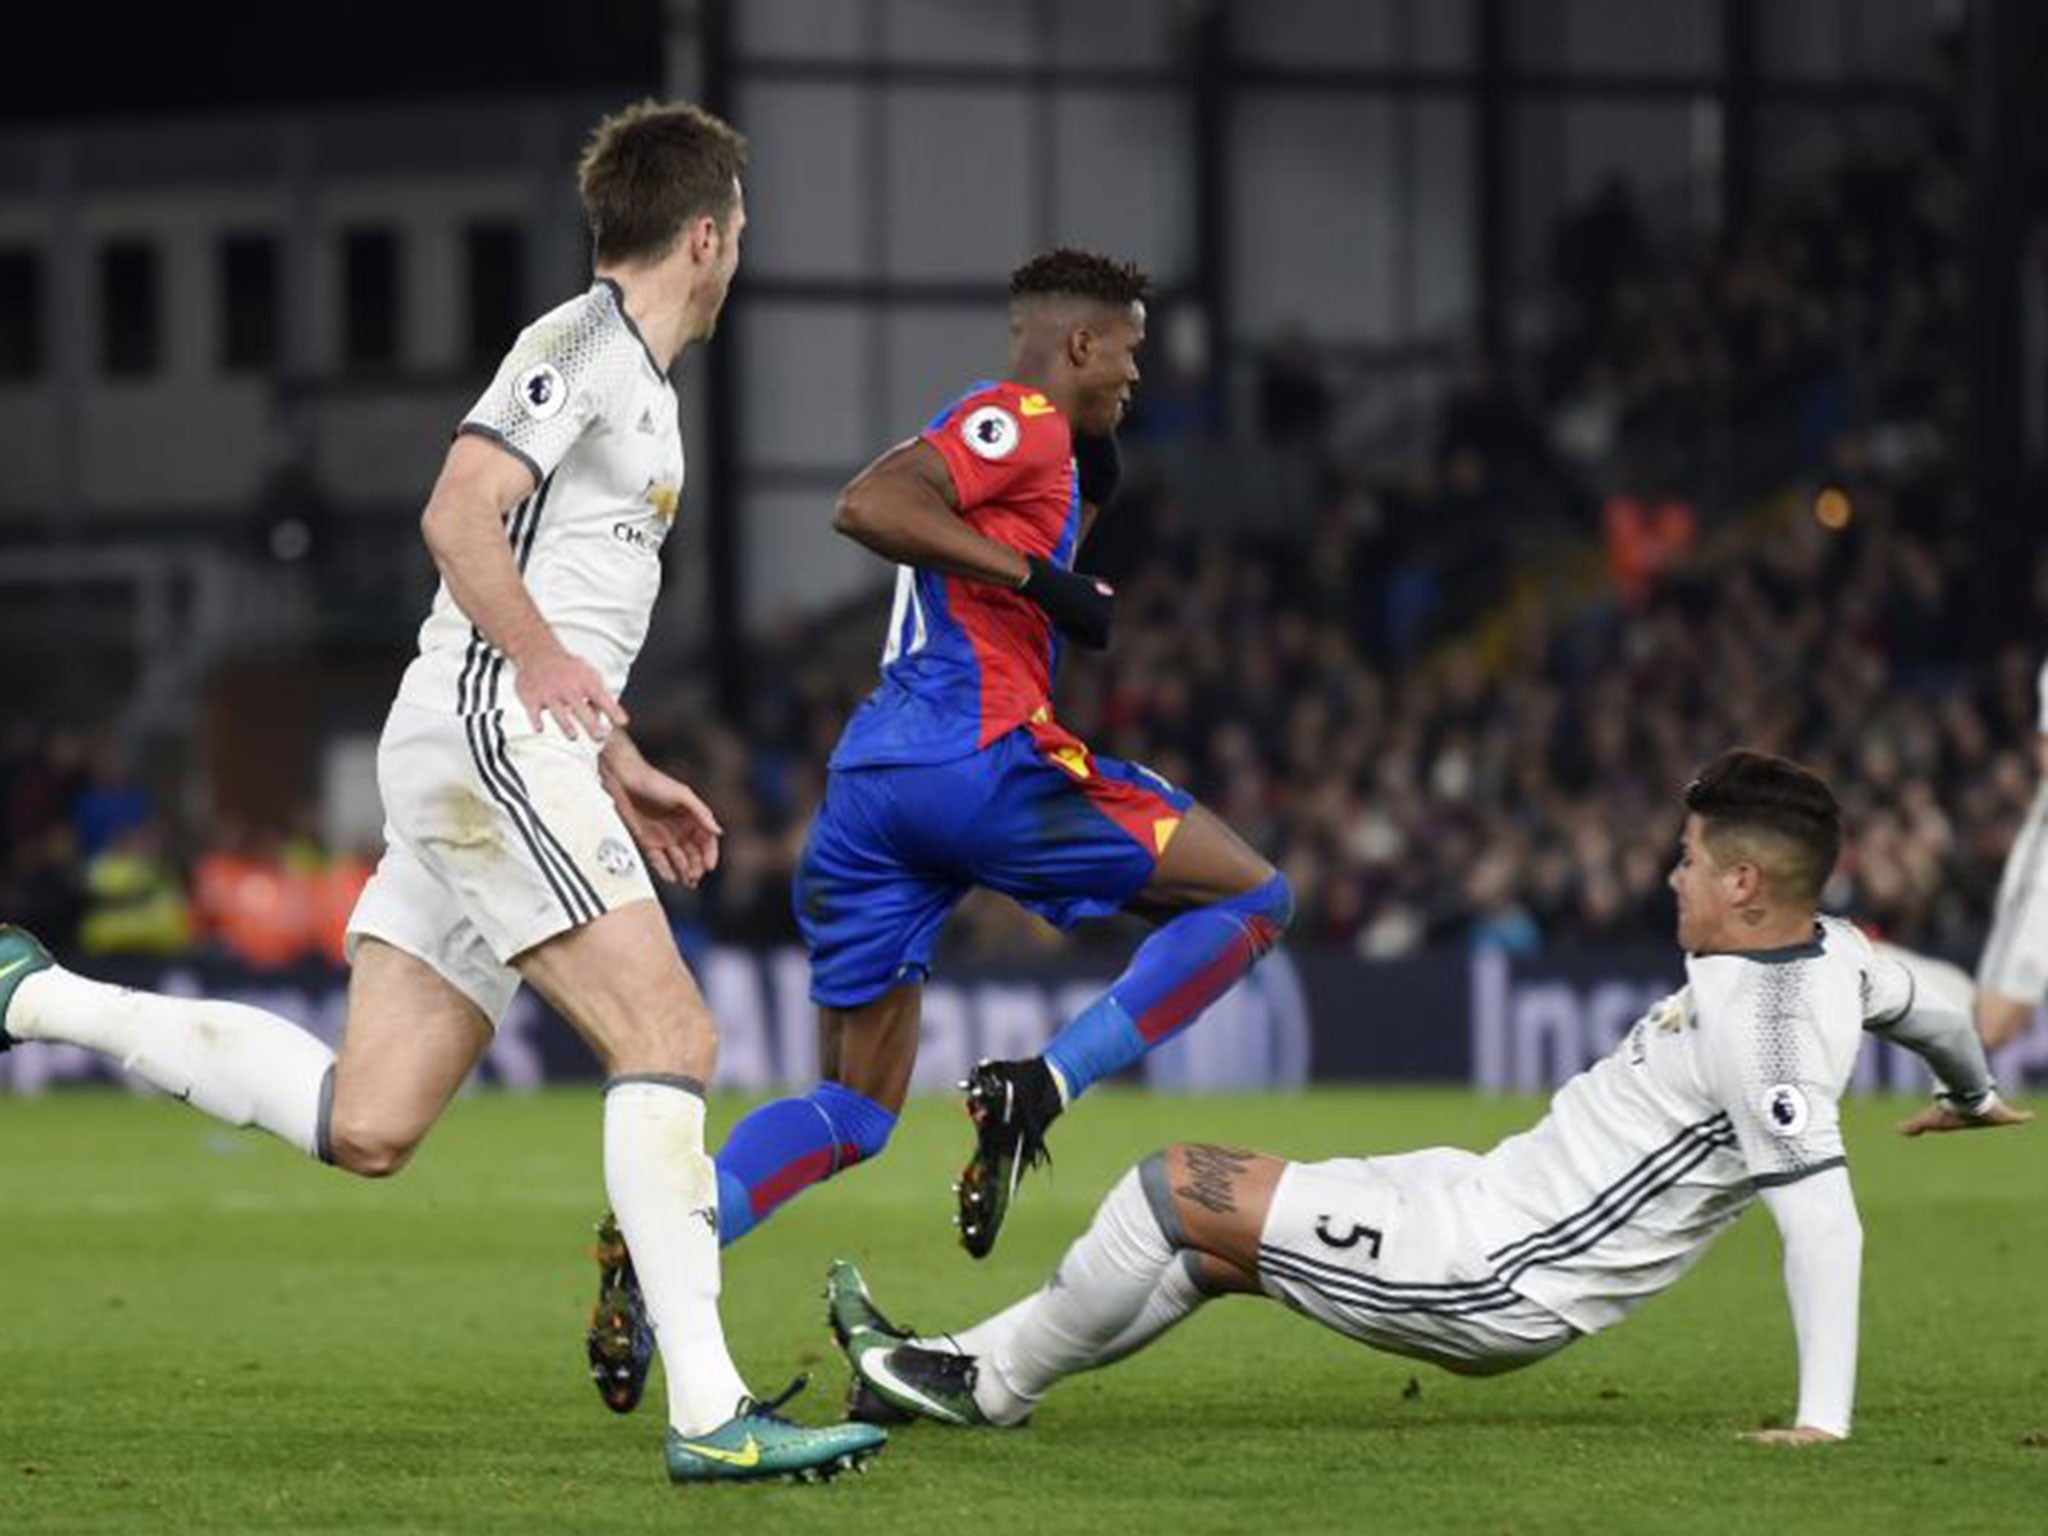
1542 396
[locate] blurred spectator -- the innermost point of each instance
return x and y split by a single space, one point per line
107 803
335 886
261 909
1294 395
1643 542
135 904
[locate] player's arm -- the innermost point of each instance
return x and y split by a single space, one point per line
464 528
674 828
905 508
1823 1239
1940 1030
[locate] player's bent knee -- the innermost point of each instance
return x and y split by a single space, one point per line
1277 898
1265 911
366 1149
860 1127
1155 1181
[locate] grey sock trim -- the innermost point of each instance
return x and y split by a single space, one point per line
665 1079
1191 1266
1159 1195
323 1120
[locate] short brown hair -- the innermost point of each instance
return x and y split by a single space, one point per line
650 170
1745 794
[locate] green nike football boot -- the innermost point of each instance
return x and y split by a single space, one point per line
758 1444
850 1310
929 1383
20 958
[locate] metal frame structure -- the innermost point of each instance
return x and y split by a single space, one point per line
1212 75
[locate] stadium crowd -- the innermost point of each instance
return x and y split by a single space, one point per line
88 861
1444 730
1513 790
1441 733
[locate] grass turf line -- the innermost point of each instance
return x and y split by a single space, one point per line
201 1332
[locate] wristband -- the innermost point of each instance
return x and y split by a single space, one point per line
1080 607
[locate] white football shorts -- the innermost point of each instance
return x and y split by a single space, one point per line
2015 959
496 838
1377 1249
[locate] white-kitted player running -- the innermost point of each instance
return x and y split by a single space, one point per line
1482 1263
514 800
2012 973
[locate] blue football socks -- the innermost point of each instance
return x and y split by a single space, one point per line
1181 969
781 1149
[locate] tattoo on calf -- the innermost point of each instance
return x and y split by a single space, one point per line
1212 1177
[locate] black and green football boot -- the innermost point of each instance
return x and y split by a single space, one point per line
1011 1104
931 1384
620 1343
20 958
850 1310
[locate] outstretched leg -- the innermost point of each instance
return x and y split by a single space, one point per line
411 1039
1221 908
1178 1229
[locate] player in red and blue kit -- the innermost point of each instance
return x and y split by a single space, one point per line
954 774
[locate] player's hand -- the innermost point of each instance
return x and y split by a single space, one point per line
570 691
673 826
1801 1434
1944 1116
1080 607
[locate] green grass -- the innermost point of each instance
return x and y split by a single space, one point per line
198 1332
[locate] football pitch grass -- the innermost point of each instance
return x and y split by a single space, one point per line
201 1332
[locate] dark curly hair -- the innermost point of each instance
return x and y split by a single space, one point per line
1080 274
1743 791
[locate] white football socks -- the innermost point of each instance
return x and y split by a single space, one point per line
238 1063
1120 1286
986 1336
664 1191
1176 1295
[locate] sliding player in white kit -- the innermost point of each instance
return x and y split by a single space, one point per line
513 803
1721 1093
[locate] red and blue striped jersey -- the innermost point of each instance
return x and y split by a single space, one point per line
965 661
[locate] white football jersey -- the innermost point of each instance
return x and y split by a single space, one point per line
1729 1084
581 401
